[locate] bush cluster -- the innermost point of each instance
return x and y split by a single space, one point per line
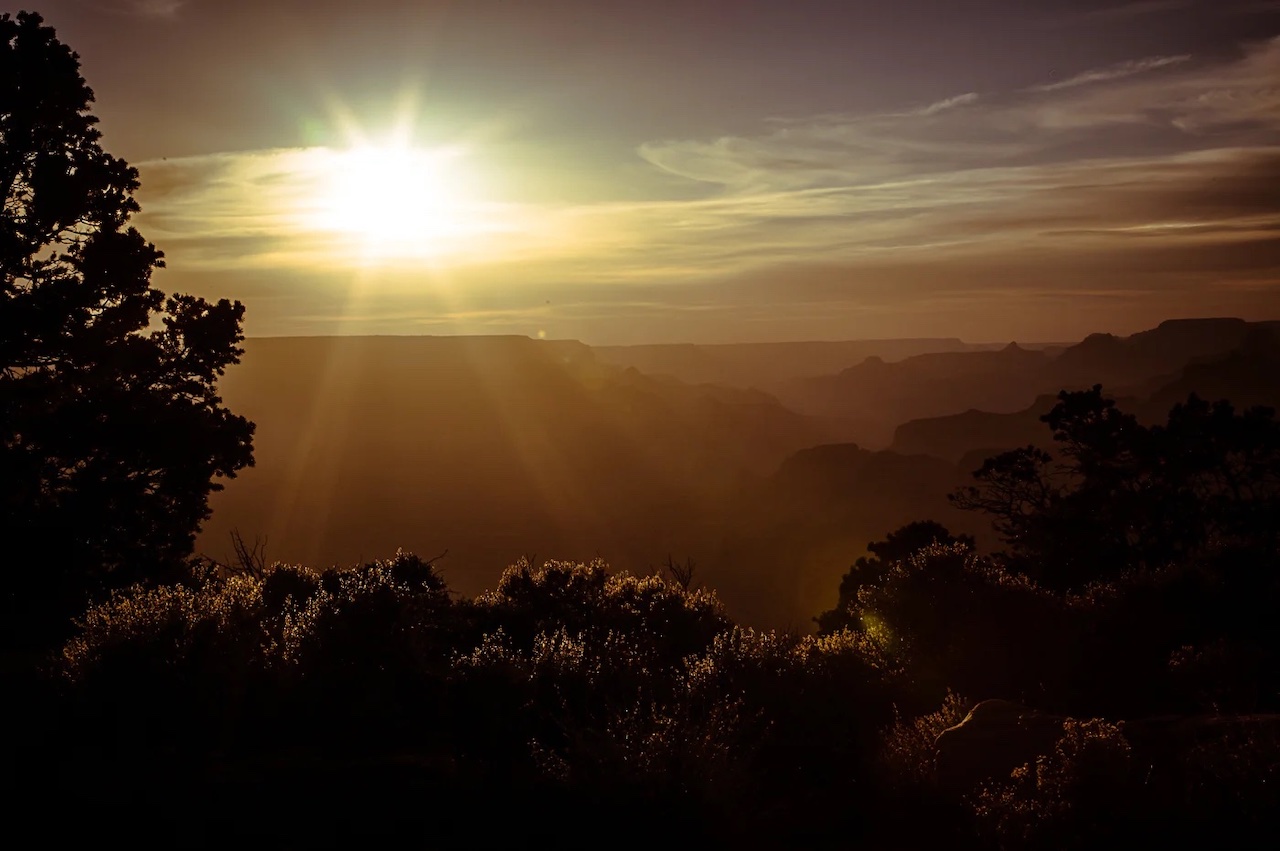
570 695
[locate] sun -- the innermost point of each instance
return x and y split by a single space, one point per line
395 200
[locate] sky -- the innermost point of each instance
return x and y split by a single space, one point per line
697 171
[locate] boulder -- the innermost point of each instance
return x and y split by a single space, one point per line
995 737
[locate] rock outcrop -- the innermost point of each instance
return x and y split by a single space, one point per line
995 737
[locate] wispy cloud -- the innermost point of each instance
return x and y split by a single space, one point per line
1121 114
1115 72
949 103
1134 183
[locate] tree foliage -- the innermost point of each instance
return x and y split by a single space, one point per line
1117 496
899 545
111 429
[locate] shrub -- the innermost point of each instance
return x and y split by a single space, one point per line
658 614
908 744
1078 796
954 620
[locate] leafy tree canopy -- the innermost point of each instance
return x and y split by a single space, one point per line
111 429
899 546
1116 496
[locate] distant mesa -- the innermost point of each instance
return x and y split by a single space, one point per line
1146 373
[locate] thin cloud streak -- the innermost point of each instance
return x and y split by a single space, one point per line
1114 72
949 103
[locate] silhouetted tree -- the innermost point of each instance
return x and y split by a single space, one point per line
1116 495
901 544
111 430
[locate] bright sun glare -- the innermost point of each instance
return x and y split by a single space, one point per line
396 200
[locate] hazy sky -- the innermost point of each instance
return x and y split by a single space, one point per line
696 170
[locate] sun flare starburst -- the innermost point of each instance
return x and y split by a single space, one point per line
395 200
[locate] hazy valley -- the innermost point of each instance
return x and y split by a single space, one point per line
494 448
